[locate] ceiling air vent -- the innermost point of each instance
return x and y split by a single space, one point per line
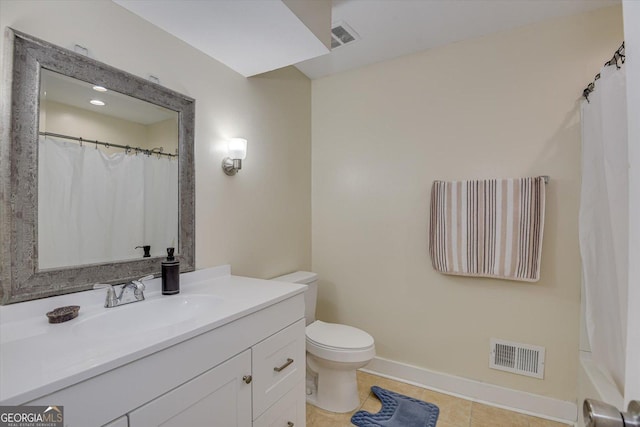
522 359
342 34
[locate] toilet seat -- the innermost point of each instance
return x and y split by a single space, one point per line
339 343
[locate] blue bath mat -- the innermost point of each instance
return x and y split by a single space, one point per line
397 411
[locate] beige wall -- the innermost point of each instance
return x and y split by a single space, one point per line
259 220
163 134
67 120
64 119
504 105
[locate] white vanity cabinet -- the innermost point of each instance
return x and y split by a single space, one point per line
204 380
271 372
219 397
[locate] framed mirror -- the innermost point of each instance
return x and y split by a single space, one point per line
97 174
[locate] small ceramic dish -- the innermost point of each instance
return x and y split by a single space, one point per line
63 314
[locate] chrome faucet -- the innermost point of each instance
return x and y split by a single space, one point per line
130 292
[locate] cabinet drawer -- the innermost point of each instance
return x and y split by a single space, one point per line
289 411
278 364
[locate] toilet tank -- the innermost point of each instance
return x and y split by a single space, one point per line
311 294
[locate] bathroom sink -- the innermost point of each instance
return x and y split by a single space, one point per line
145 316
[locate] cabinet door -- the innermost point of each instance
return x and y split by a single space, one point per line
289 411
278 365
219 397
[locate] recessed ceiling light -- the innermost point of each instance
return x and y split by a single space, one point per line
97 102
100 88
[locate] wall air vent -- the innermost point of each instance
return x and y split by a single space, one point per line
522 359
342 34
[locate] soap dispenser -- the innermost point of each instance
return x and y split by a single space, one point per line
170 274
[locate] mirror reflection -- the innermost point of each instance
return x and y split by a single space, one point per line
107 175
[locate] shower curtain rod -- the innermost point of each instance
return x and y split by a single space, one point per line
617 59
126 148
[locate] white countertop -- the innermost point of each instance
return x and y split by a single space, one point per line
38 358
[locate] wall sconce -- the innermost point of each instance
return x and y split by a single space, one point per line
237 149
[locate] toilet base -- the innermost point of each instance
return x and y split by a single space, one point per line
336 385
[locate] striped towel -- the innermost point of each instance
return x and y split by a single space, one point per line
488 228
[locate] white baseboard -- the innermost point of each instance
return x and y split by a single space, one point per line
502 397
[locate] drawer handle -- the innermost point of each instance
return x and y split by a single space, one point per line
247 379
289 424
280 368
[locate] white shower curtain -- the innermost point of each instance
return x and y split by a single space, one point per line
604 220
95 208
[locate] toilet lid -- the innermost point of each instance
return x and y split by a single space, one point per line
338 336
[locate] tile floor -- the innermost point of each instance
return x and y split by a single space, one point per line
454 412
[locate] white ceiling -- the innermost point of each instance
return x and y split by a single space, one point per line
255 36
249 36
392 28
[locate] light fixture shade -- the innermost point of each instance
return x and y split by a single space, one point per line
237 148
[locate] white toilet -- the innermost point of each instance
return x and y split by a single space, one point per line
334 352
